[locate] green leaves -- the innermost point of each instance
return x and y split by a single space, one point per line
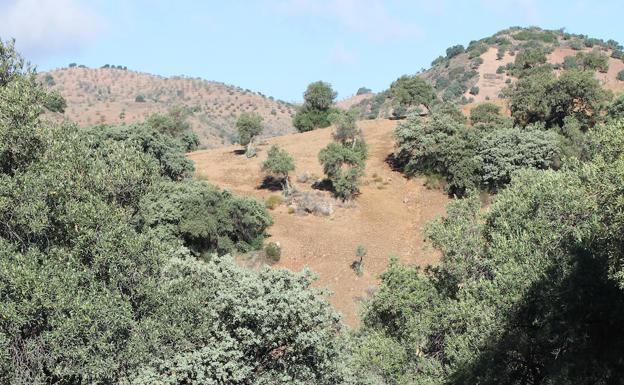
317 107
413 91
249 125
344 166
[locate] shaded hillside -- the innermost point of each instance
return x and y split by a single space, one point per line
115 96
485 67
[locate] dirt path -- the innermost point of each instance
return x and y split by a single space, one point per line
387 219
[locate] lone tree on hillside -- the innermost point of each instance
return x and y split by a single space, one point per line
344 167
412 91
279 163
317 107
249 126
346 132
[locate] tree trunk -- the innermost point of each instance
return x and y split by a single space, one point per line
287 187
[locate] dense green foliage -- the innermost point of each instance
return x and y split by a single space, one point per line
165 149
98 282
344 159
543 97
412 91
550 113
481 156
317 107
529 292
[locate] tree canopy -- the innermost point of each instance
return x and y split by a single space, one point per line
317 107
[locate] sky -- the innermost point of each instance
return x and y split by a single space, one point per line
278 47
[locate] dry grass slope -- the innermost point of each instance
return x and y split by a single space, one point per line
108 95
387 219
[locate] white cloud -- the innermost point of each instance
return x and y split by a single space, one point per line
48 26
371 18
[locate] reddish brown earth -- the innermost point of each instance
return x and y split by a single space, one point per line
387 219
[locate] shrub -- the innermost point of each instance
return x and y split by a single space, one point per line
49 80
273 251
273 201
530 57
474 90
593 61
500 54
485 113
343 166
453 51
502 152
206 218
139 99
570 62
363 90
576 45
620 75
500 70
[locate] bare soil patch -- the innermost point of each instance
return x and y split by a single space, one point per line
387 218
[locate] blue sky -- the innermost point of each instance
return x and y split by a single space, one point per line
277 47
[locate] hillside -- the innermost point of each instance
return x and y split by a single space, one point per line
387 218
113 96
483 69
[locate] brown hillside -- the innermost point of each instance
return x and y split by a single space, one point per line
478 66
387 219
107 95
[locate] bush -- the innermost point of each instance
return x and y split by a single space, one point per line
503 152
620 76
273 201
317 107
485 113
363 90
530 57
453 51
139 99
343 166
182 210
474 90
570 62
273 251
593 61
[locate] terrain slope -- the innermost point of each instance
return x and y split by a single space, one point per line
387 218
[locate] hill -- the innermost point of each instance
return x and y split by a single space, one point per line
115 96
483 69
387 218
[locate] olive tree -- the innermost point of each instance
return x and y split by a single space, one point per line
249 125
413 91
279 163
317 107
